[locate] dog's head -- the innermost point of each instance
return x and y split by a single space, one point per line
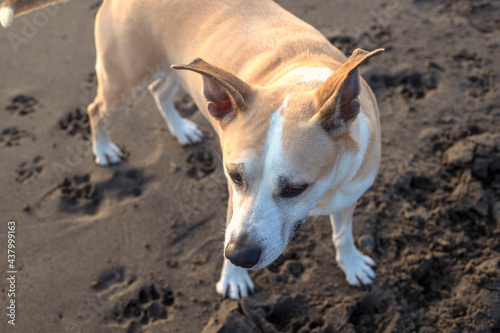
282 145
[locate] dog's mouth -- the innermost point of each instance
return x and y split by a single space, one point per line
298 224
272 253
265 263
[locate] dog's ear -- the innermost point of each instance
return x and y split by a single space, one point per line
337 98
225 93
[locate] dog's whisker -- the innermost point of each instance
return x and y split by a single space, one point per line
216 153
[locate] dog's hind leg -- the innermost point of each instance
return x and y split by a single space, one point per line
356 266
105 151
163 91
117 88
119 72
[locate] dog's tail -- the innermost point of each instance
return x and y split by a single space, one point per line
11 8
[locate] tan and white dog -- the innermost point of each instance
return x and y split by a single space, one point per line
299 128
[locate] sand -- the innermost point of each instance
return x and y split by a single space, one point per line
138 246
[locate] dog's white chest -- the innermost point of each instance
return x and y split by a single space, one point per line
345 191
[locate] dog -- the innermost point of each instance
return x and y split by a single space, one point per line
299 128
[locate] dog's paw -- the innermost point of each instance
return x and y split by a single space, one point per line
235 285
186 132
106 153
357 268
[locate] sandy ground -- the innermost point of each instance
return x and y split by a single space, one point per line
138 246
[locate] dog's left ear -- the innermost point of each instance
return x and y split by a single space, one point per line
337 98
225 93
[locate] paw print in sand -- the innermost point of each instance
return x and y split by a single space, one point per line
22 105
76 122
201 163
30 170
12 136
79 193
149 306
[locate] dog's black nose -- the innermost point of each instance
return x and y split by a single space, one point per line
240 253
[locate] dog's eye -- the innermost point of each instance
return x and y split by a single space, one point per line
236 177
293 190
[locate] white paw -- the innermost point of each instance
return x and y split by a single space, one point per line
235 284
357 268
106 153
186 132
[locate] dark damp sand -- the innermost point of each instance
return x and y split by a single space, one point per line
138 246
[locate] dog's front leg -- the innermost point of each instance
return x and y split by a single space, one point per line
234 281
356 266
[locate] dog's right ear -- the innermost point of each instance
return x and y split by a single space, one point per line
225 93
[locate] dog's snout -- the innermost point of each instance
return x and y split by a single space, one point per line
242 253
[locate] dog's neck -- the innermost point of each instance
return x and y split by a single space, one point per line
271 67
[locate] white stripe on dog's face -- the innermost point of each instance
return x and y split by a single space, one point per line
273 148
254 210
